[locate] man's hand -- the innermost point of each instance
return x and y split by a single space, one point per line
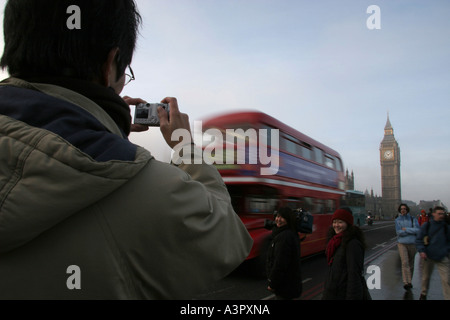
133 102
177 120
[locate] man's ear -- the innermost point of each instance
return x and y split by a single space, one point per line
109 68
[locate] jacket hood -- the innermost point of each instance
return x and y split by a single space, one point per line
44 179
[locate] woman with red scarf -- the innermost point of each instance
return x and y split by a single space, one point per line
345 257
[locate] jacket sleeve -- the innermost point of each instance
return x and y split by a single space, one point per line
398 228
181 234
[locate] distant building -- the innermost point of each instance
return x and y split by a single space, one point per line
373 204
413 208
349 181
427 205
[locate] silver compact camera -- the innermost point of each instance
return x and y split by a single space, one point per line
147 113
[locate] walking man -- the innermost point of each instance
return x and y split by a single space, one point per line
433 244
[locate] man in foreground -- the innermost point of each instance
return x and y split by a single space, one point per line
84 213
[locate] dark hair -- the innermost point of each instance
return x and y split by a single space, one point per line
38 41
438 208
403 204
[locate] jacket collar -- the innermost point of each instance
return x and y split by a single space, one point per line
106 98
276 231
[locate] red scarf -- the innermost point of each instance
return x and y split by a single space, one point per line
332 246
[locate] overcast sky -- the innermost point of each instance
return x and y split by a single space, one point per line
315 66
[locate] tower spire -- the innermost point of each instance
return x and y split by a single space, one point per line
388 123
388 130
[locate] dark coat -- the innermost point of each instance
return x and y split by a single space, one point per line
283 263
345 279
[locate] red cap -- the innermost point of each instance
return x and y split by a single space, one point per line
343 215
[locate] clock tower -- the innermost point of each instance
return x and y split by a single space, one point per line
390 172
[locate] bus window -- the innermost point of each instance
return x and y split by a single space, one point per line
338 164
294 203
290 146
307 204
261 205
318 155
329 162
306 152
319 206
287 136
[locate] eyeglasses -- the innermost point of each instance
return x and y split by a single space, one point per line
129 78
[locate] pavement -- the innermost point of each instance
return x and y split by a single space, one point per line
392 283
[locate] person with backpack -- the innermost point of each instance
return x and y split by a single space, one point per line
433 244
407 229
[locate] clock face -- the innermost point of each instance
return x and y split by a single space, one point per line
388 154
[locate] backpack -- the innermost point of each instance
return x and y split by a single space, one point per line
426 238
304 221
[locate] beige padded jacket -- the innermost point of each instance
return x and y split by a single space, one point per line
75 228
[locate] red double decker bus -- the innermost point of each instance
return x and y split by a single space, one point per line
309 176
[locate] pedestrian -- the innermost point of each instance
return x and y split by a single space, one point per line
433 244
283 257
423 217
407 229
345 257
86 214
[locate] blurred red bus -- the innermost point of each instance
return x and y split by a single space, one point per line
310 176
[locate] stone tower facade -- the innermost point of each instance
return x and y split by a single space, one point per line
390 172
